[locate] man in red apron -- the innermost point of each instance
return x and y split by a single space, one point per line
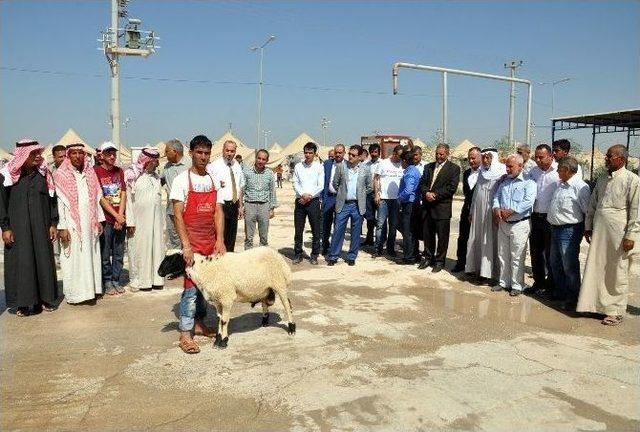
200 223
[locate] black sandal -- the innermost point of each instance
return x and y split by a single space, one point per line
23 312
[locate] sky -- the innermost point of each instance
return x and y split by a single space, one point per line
330 59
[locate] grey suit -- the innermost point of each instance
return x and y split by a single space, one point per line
340 180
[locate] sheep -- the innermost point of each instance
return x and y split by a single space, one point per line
253 276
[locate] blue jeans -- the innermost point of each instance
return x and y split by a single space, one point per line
349 211
565 265
112 250
388 213
192 308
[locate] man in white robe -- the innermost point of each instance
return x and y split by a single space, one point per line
145 221
79 228
611 228
482 250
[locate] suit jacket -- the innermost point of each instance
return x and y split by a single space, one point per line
328 198
444 187
467 191
364 186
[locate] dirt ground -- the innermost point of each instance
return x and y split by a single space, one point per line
379 347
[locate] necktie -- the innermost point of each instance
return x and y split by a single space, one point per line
234 188
435 174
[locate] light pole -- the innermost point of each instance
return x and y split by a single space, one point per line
512 66
266 134
325 124
553 91
260 83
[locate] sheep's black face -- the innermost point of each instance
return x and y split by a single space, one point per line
172 266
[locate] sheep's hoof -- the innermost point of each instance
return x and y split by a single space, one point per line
222 344
292 328
265 320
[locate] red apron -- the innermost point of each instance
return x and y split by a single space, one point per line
198 219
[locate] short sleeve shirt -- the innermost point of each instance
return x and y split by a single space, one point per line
180 186
112 183
390 175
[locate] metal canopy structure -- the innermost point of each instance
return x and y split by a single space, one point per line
616 121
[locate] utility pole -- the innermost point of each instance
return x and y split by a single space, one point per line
266 134
553 91
260 84
512 66
324 123
137 43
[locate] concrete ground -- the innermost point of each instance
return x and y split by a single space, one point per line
379 347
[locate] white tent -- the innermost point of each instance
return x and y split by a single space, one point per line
462 149
295 146
275 148
69 137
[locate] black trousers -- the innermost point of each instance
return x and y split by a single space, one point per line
433 228
463 237
301 213
230 210
409 214
540 248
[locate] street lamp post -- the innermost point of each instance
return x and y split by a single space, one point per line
266 134
324 123
553 91
260 83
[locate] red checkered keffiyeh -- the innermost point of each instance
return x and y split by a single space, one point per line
23 149
68 191
134 171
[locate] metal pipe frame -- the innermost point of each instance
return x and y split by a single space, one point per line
397 66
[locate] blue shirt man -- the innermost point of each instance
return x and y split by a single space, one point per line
409 185
409 200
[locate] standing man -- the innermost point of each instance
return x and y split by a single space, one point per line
546 177
80 226
227 173
329 195
370 215
114 191
438 185
569 204
417 159
97 158
279 171
469 180
386 183
199 217
611 227
561 148
145 220
28 218
308 178
59 152
512 206
482 247
525 151
353 183
259 199
409 199
176 164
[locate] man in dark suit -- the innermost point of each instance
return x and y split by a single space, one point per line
329 196
469 178
438 184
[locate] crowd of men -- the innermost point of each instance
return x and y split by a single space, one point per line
87 209
540 202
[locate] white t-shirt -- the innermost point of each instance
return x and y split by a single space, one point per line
180 186
390 175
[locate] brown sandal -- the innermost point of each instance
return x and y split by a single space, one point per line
189 346
612 320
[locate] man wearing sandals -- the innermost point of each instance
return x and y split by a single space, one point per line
611 229
199 217
28 218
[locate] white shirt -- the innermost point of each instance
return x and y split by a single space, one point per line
421 166
546 182
390 175
473 177
333 173
308 179
569 202
219 170
372 166
528 166
180 186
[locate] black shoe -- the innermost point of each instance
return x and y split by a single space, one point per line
423 264
392 254
313 260
437 268
367 243
297 259
496 288
325 252
457 268
406 262
331 262
515 293
351 262
376 254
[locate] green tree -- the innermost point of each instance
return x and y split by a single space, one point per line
503 146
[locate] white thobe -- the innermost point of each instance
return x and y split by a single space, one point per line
482 250
80 260
612 216
146 213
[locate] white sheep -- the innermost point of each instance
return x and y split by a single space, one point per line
253 276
